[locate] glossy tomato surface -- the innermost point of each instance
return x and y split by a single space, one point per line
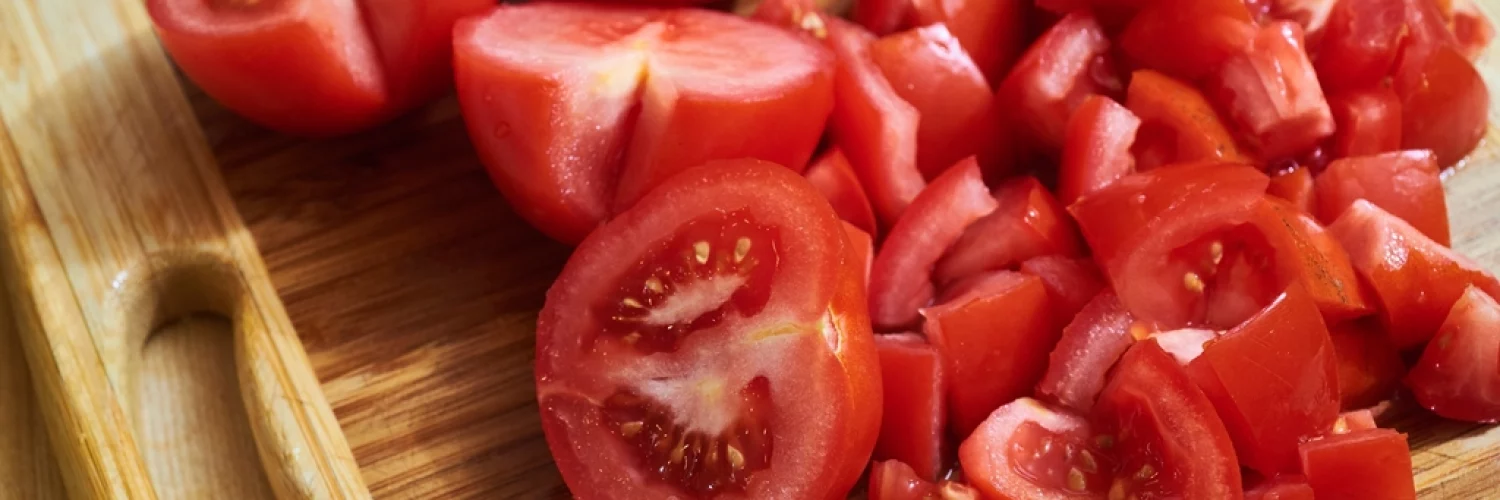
1458 376
1405 183
1178 124
929 69
911 428
1078 367
1028 222
1360 43
1373 464
1370 367
1273 94
1067 64
993 32
1296 187
1445 108
662 348
873 125
1188 39
1096 148
1368 121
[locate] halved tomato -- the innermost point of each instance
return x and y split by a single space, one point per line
1417 280
552 106
1027 450
1458 376
993 32
1370 367
833 177
1368 121
1071 282
1177 123
315 68
1373 464
1096 148
872 124
1405 183
1067 64
1360 43
1028 222
995 338
1273 380
1296 186
900 278
1187 39
1272 92
662 348
911 428
1098 335
1281 487
927 67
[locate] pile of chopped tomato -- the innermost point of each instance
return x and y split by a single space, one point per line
980 248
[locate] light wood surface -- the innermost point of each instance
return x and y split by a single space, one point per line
414 288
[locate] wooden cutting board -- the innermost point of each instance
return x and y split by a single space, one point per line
414 289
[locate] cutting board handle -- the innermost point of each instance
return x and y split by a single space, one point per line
113 221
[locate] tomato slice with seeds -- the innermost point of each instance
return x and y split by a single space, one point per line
873 125
1367 121
1098 335
1405 183
1028 222
1458 376
1096 148
662 346
1028 450
832 175
1373 464
1178 124
1054 76
915 416
1370 367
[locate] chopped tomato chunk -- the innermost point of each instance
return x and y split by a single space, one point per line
1177 123
1098 335
1406 184
1368 121
1187 39
832 176
1370 367
872 124
911 429
1459 374
1373 464
1272 92
1054 76
1296 187
1360 43
927 67
1096 148
1028 222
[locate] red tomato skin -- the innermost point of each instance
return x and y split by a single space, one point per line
1304 252
996 339
827 291
986 454
1458 375
1405 183
1446 108
881 17
1296 187
873 125
1054 76
992 31
1416 280
1098 335
239 57
1187 39
1273 380
900 277
911 429
1177 117
1272 92
1426 33
1472 29
1096 148
1370 367
862 252
1152 395
1071 282
415 43
832 175
1368 121
1360 43
1372 464
1027 222
927 67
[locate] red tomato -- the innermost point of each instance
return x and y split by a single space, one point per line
1071 283
526 71
1281 487
1272 92
1370 367
1028 222
1417 280
1446 109
1406 184
996 338
927 68
899 280
1459 374
991 31
1177 123
1360 43
1368 121
861 252
1187 38
1372 464
314 68
911 429
1164 432
873 125
833 177
1273 380
1025 450
1054 76
1296 187
881 17
1096 148
645 339
1089 347
1471 28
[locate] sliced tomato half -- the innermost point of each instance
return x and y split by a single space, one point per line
1373 464
1028 222
1096 148
1458 376
662 348
911 428
1098 335
832 175
874 126
1067 64
1405 183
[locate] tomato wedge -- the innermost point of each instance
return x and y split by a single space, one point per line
872 124
1373 464
1067 64
662 347
1028 222
1178 124
1368 121
1458 376
992 31
1405 183
832 176
552 107
1360 43
1098 335
915 416
1272 92
1027 450
927 67
1096 148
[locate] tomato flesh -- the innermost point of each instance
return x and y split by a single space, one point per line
893 480
1406 184
1370 464
1296 187
911 429
1272 92
1054 76
1458 375
1091 343
1370 367
1187 38
1178 124
1096 148
873 125
832 175
1368 122
1071 282
1445 108
1360 43
991 31
1028 222
1027 450
927 67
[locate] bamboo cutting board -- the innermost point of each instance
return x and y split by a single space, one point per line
411 284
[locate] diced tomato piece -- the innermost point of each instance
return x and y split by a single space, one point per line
1098 335
1168 441
1471 28
835 178
1406 184
1368 121
1054 76
1370 367
900 277
1351 421
882 17
1071 282
1272 92
1187 39
1426 32
1184 344
861 252
1304 252
1458 376
991 31
1417 280
1096 148
911 429
1027 450
1372 464
1360 43
872 124
1281 487
1296 187
1446 108
1273 380
1177 123
996 339
927 67
1028 222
